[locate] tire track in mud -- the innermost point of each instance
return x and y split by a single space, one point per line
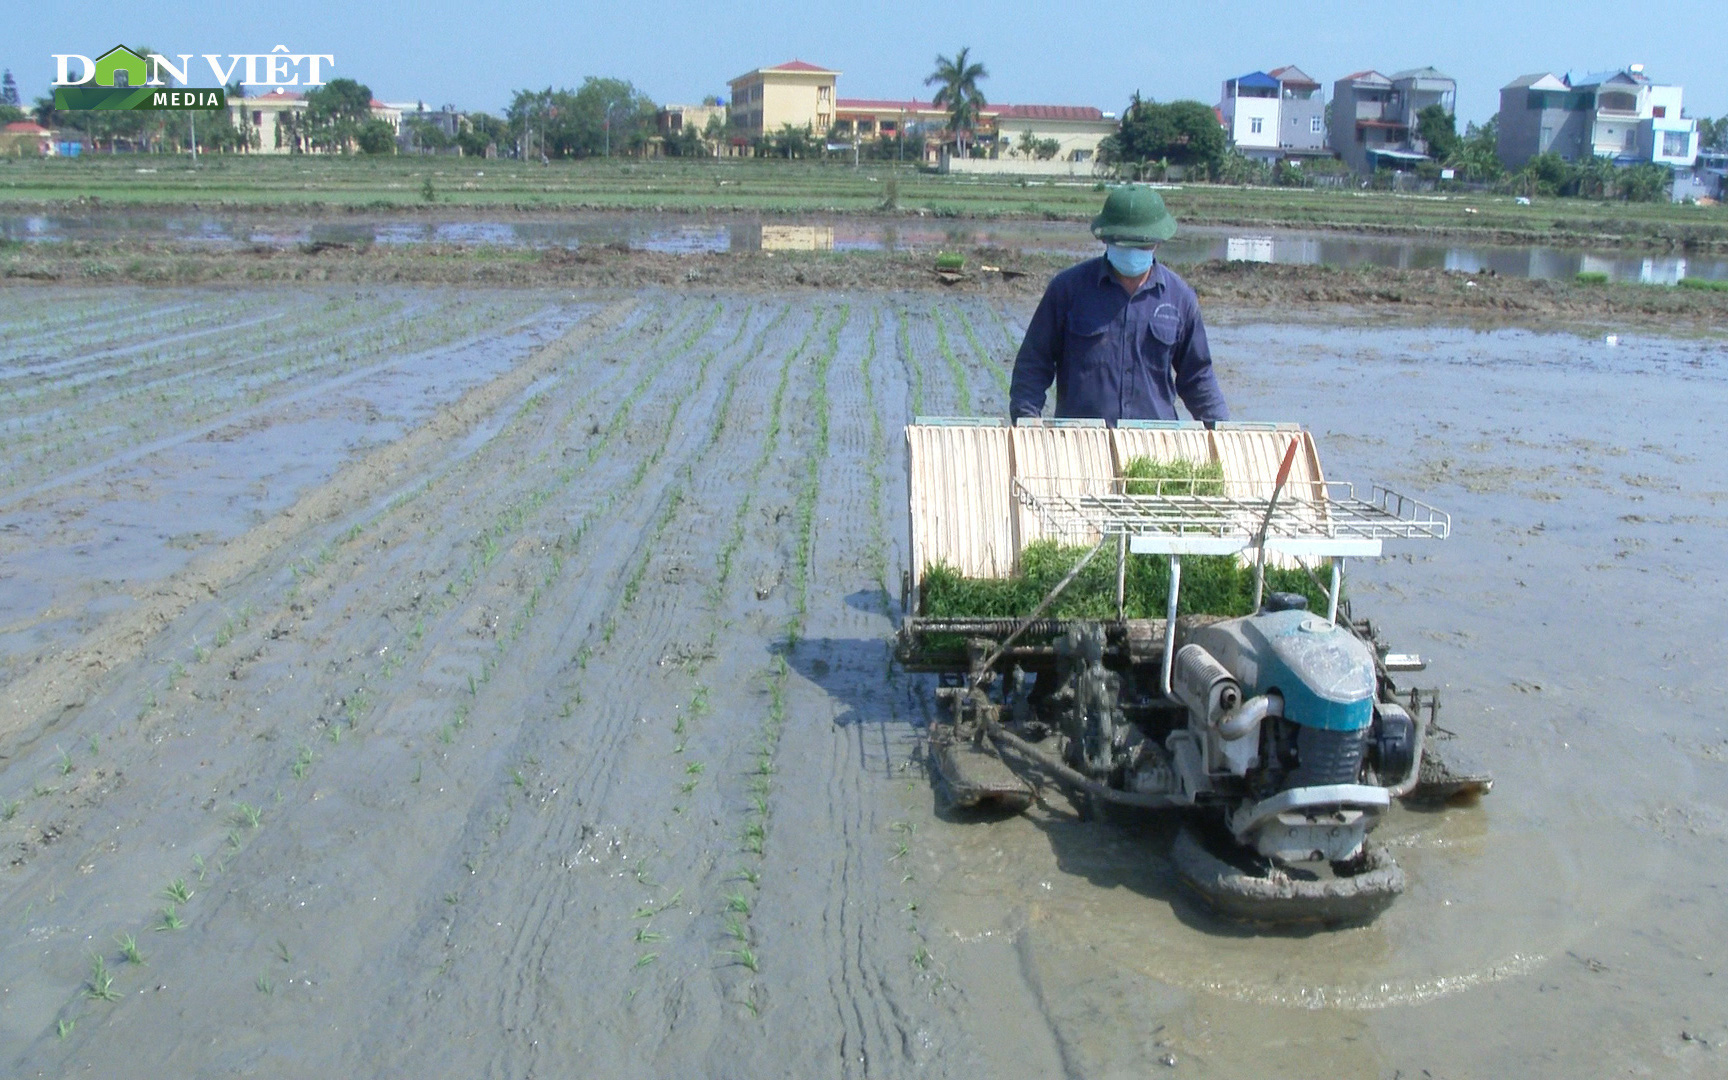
327 647
461 414
476 400
63 682
592 609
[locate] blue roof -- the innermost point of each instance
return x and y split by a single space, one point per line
1258 80
1597 78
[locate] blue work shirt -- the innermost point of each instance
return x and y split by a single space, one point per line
1114 356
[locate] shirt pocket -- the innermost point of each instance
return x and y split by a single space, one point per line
1086 345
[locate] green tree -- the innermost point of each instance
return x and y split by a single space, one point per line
425 135
603 116
790 142
376 137
335 114
1439 129
480 131
1478 154
1185 133
1713 134
959 93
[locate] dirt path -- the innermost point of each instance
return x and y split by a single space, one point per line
547 727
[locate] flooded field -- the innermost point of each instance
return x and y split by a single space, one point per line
452 683
699 234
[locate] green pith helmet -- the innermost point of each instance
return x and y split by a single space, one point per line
1134 216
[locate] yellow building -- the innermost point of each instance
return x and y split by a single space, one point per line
796 93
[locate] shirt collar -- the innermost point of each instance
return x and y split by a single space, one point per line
1154 282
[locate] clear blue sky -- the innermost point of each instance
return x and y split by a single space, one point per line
473 53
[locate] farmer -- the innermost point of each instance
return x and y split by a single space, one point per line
1120 334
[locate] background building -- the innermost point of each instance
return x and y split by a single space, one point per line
1274 114
795 93
1374 116
1621 115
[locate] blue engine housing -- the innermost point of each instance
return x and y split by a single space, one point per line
1324 672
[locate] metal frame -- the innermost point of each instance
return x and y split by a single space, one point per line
1317 519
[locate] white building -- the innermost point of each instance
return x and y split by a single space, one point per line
1621 115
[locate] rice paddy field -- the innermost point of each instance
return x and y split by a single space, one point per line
302 183
453 682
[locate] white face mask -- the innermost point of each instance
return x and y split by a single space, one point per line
1129 262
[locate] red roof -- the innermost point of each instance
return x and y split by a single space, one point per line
1044 112
884 105
376 104
798 65
25 127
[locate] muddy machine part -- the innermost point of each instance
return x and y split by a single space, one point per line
1282 734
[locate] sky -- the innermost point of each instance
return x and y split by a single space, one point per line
474 53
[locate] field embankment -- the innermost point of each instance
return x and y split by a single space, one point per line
411 186
1226 287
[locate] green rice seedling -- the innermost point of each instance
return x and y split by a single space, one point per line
736 930
746 957
63 1029
922 958
177 891
754 877
9 810
198 865
264 985
200 653
65 765
248 815
900 852
645 936
518 779
95 744
688 786
129 949
451 898
738 902
334 732
754 837
647 958
234 841
1705 284
100 985
695 768
282 952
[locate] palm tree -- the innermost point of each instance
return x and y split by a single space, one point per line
959 93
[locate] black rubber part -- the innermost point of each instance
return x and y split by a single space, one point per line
1274 899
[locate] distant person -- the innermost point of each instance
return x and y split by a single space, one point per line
1120 334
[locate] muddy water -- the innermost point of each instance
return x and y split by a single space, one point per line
551 731
1571 924
722 233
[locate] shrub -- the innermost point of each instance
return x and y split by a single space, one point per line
1591 277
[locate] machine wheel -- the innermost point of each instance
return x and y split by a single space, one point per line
1273 898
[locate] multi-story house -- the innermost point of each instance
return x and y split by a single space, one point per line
1621 115
795 93
1374 116
1274 114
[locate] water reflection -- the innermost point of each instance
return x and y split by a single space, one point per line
676 234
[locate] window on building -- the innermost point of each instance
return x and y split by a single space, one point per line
1314 125
257 118
1631 142
1254 125
1659 111
1676 143
822 92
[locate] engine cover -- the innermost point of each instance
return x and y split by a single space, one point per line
1324 672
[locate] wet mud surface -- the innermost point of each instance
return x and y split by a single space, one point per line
499 686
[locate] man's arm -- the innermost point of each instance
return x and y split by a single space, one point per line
1040 350
1195 382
